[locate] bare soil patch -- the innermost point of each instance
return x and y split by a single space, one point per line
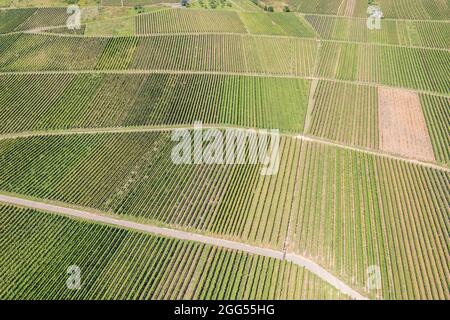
402 126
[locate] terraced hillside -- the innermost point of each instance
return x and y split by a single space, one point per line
207 53
362 183
392 9
432 34
344 228
36 102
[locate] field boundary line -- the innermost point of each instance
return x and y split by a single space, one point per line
188 236
250 74
242 34
168 128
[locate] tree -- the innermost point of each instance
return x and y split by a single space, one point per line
286 9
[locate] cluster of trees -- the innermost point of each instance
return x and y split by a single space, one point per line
139 9
81 3
213 4
268 8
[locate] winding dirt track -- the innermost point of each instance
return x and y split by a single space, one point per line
183 235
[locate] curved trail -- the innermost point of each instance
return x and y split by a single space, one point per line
303 137
183 235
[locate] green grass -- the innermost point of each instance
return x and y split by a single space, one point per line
113 27
122 264
260 23
285 24
245 5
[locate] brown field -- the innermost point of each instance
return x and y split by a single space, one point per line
402 126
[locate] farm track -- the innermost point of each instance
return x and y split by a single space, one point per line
206 126
252 74
187 236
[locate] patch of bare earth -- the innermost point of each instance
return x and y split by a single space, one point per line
402 126
349 8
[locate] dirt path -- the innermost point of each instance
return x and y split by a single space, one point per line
183 235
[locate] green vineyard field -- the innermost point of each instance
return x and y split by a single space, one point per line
392 9
408 33
90 119
346 113
11 19
122 264
437 114
358 210
395 66
110 100
45 17
31 18
285 24
345 210
414 9
189 21
209 53
315 6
